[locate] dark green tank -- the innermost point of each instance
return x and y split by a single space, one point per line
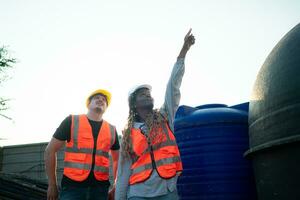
274 122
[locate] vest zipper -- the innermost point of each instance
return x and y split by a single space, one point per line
146 133
152 157
93 158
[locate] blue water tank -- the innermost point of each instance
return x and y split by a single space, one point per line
212 140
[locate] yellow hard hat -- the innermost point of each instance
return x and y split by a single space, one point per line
106 93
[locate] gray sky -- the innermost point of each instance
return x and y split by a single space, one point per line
66 49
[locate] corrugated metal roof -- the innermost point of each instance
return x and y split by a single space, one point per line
28 160
20 187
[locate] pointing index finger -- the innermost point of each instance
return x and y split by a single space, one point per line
189 32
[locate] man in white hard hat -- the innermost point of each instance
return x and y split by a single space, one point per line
150 160
88 140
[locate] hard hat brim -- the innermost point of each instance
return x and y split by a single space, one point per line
136 88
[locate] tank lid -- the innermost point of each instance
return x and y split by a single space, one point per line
190 117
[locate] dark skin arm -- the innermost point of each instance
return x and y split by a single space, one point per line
189 40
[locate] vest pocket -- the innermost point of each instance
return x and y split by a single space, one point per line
168 150
102 161
77 157
86 140
77 166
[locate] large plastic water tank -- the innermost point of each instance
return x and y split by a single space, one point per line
274 122
212 139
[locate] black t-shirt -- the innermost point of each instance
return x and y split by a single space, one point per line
63 132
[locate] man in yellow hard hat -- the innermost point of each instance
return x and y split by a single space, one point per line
88 140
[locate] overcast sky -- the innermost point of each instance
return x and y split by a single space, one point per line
66 49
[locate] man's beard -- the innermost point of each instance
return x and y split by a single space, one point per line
98 110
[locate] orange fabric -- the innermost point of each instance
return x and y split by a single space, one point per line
140 177
140 146
85 142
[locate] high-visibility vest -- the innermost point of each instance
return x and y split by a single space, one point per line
162 154
79 150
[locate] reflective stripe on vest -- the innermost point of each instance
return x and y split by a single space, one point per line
78 154
101 169
112 134
77 165
159 163
166 164
161 145
102 153
86 150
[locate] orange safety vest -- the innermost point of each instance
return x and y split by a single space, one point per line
79 150
163 153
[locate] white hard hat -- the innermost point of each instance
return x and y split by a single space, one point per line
137 87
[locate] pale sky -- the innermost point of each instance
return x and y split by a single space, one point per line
68 48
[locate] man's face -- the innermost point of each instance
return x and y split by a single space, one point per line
143 99
98 103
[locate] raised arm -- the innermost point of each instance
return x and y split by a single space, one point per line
172 95
189 40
